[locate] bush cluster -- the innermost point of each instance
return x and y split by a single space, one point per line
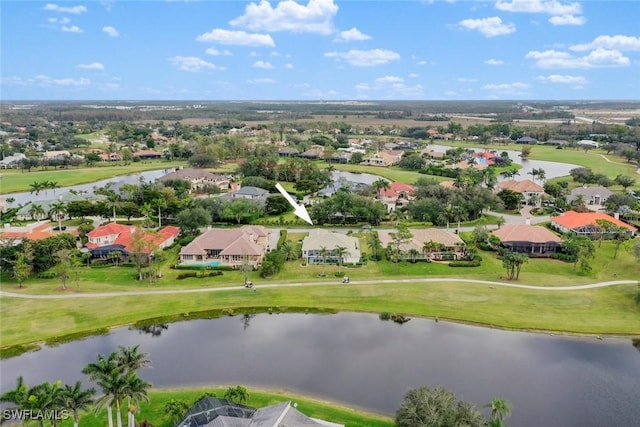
198 274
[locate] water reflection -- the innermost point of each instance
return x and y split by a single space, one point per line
153 330
361 361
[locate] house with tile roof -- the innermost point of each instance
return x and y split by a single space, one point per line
533 240
118 237
228 247
213 412
147 154
319 238
384 158
36 231
396 196
198 178
531 191
443 245
590 195
586 223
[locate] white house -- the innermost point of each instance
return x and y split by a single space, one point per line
313 244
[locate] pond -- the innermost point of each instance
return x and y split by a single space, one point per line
361 361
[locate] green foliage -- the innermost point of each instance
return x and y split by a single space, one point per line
474 263
385 315
190 220
436 407
176 409
345 207
237 394
282 238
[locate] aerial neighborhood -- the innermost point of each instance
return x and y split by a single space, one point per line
442 217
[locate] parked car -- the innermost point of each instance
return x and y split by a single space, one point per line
57 228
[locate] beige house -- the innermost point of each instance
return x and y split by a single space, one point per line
228 247
198 178
531 191
534 240
431 244
384 158
318 238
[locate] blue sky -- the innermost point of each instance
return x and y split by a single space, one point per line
319 50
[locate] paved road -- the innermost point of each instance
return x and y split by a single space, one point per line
489 283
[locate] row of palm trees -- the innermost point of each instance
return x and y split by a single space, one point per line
116 376
57 210
38 186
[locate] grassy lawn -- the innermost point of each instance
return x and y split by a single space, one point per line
597 311
14 180
154 410
591 159
391 173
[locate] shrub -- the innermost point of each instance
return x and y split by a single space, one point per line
474 263
47 275
563 257
186 275
186 240
385 315
338 274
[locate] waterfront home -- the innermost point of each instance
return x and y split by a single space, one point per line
586 223
428 244
384 158
531 191
198 178
590 195
396 196
118 237
533 240
232 247
213 412
319 240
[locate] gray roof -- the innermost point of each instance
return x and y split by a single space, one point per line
589 192
251 191
191 173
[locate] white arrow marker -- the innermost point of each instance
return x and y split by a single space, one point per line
299 210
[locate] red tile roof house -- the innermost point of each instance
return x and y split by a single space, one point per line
526 187
585 223
397 195
117 237
228 247
533 240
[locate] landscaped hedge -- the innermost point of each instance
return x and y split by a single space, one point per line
198 274
563 257
203 267
282 239
474 263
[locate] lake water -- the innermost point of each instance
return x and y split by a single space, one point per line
361 361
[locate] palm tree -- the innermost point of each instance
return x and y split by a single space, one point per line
413 254
52 185
18 396
323 253
36 210
115 387
147 210
46 398
75 399
59 210
131 359
381 184
136 392
36 187
500 409
340 252
374 244
100 370
113 202
429 247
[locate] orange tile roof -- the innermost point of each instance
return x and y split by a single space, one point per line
573 220
395 188
39 232
109 229
526 233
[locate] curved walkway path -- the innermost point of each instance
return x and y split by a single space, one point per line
291 285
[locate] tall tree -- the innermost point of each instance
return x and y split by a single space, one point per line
500 409
99 371
426 407
399 238
58 210
340 252
75 400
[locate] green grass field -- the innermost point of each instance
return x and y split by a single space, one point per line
15 180
594 311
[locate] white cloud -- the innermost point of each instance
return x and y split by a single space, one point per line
110 31
516 87
62 21
494 62
388 79
288 66
618 42
263 64
414 75
238 38
557 78
71 29
315 17
599 58
50 81
567 20
261 81
92 66
466 80
76 10
489 27
422 62
351 35
365 58
192 64
215 52
551 7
